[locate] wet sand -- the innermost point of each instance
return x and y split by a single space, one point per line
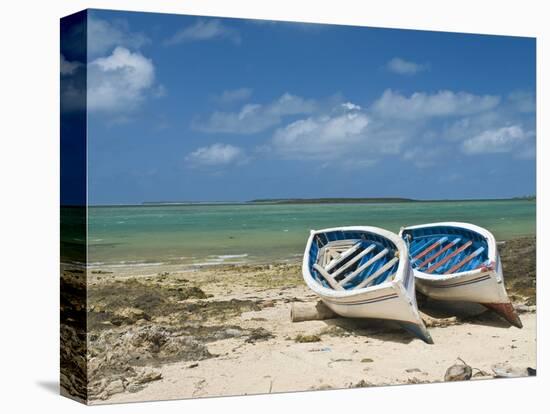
226 330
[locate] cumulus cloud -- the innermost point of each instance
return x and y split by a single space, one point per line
104 36
323 137
253 118
501 140
120 81
68 68
523 101
216 155
405 67
423 105
233 95
204 30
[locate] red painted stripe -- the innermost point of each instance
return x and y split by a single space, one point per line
449 257
439 253
428 250
462 263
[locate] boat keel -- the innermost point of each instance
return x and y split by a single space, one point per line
507 311
419 330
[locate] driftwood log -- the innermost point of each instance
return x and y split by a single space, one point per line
313 311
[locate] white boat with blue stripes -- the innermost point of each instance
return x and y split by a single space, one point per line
363 272
459 262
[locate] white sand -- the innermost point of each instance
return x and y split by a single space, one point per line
281 365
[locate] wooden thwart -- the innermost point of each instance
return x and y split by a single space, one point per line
343 256
464 261
331 281
360 269
429 249
439 253
354 260
379 272
449 257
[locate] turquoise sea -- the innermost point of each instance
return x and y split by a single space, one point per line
192 235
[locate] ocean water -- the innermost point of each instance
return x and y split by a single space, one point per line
201 235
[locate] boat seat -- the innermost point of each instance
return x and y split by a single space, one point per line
449 257
430 248
465 260
439 253
379 272
363 266
358 257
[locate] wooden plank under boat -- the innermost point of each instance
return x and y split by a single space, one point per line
459 262
363 272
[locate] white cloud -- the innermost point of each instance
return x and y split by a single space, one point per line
322 137
501 140
204 30
216 155
119 82
422 105
253 118
104 36
233 95
523 101
350 106
68 68
405 67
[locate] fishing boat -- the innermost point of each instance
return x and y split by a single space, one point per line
459 262
363 272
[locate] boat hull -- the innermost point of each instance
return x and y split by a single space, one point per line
484 286
394 300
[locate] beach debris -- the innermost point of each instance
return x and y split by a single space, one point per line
415 380
523 308
367 360
334 360
432 322
303 338
413 370
507 371
361 384
259 334
146 375
195 365
318 311
480 373
458 372
326 349
334 331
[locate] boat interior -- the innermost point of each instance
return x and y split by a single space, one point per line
443 250
348 260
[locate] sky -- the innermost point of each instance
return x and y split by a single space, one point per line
190 108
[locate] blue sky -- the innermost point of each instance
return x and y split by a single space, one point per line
185 108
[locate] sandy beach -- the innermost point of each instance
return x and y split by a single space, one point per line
226 330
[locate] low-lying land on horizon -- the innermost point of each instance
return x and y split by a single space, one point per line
319 200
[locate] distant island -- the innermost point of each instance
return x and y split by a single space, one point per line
328 200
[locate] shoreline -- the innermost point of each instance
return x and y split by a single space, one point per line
152 266
226 330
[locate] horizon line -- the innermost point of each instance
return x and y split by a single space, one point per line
312 200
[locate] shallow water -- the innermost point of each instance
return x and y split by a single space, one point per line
213 234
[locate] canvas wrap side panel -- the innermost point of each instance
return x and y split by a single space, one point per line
73 229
